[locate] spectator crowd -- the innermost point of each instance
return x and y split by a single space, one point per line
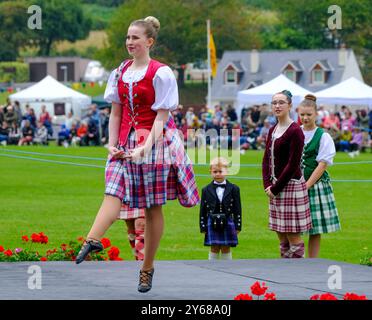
351 131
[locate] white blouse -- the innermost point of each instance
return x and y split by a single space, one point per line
327 150
164 82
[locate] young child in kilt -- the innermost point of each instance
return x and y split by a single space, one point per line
318 154
147 163
283 180
220 198
135 222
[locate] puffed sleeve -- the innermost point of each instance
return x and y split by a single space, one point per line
327 150
111 93
166 90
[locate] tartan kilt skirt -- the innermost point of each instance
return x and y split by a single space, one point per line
324 214
155 178
227 237
290 209
127 213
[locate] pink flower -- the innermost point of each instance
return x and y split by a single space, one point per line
18 250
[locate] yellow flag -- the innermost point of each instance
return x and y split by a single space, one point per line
212 50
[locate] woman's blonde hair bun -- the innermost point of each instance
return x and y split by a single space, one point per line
310 97
154 21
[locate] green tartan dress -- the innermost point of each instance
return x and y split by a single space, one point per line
323 208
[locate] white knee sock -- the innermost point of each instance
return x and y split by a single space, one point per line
213 256
226 256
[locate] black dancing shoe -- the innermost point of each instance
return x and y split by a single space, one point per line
88 247
145 280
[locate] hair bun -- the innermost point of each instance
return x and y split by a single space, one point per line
155 22
310 97
287 93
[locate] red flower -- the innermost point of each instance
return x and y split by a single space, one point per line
243 296
25 238
43 238
35 238
314 297
353 296
81 239
63 247
270 296
327 296
113 253
43 259
106 243
257 289
1 249
8 253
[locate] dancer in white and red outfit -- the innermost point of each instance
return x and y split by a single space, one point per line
283 180
147 164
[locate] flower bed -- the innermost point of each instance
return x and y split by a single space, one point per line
65 252
259 290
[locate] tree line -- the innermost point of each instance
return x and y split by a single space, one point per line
236 25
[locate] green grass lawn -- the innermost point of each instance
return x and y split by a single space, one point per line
62 200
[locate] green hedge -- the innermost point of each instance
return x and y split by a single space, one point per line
14 71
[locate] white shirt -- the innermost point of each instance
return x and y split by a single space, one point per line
220 191
164 82
327 150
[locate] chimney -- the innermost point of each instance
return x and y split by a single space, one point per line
342 55
255 61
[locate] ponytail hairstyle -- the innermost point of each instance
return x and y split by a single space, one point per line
309 101
151 26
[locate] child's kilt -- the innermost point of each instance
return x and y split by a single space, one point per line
164 174
227 237
127 213
323 209
290 210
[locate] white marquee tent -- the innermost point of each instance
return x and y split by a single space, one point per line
264 92
348 92
57 98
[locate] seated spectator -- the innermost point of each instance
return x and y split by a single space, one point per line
345 139
261 139
356 142
349 121
30 116
231 113
41 134
46 120
93 133
27 134
82 134
331 121
74 138
10 116
14 134
4 133
63 136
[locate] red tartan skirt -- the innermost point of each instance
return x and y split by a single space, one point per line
127 213
165 174
290 209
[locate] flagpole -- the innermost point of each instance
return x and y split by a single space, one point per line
209 99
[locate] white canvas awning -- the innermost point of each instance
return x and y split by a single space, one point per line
349 92
264 92
49 91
